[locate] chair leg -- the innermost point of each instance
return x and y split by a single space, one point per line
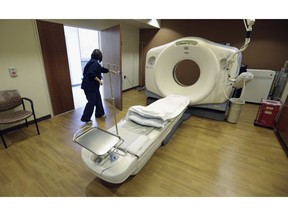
36 123
26 122
37 127
3 140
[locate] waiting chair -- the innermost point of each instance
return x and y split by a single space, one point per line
9 100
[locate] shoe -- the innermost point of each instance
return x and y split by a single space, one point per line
103 116
87 122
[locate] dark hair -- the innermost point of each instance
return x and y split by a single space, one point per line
97 54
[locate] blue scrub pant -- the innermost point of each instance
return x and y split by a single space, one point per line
94 99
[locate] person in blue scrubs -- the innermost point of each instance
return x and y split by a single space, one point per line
91 82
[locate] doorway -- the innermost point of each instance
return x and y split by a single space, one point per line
80 44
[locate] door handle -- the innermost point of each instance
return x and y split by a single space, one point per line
115 72
113 68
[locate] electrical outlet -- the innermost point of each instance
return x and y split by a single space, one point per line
13 72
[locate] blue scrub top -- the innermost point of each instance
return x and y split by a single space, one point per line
91 70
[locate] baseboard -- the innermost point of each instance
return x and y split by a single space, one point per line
135 88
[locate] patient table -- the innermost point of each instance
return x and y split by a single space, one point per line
114 157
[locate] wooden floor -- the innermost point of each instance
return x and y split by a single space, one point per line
204 158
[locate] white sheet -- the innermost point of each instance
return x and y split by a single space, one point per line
159 112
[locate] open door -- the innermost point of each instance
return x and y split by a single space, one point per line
112 54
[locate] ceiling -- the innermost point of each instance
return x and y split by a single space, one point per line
100 24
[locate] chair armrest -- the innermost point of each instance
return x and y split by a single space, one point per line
30 101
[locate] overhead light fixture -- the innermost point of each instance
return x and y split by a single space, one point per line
151 22
154 22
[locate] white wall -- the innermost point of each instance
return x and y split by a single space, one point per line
20 48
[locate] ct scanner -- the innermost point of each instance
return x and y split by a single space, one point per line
124 149
212 86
